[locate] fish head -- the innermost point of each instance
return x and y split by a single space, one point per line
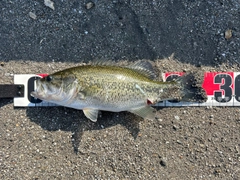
53 88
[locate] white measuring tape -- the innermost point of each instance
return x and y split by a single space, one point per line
222 89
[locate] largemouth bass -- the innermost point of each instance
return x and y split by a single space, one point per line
113 88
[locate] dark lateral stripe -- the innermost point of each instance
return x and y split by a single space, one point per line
11 90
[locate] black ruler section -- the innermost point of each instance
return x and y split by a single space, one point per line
11 90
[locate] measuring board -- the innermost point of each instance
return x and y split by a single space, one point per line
222 89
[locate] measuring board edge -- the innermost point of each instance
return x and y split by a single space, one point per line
222 89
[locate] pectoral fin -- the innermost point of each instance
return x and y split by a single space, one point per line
91 114
145 112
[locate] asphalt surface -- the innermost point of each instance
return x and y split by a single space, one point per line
60 143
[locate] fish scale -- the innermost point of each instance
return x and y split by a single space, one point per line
123 92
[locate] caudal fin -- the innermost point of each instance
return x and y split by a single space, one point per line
192 90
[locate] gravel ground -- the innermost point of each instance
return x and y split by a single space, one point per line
60 143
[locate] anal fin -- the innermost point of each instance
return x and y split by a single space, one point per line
91 114
146 112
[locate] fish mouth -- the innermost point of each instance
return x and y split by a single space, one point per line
46 92
40 91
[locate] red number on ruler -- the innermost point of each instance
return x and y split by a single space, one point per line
219 85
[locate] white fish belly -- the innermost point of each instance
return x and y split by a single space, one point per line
113 107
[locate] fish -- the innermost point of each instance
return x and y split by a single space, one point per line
109 87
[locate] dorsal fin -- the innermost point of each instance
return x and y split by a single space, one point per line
143 67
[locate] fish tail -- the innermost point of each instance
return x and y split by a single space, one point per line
191 85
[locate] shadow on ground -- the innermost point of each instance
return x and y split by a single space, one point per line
58 118
4 102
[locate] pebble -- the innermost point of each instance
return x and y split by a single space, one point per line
32 15
89 5
179 142
175 127
49 4
202 145
160 120
163 163
176 117
228 34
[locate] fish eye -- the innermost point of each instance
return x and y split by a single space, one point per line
49 78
